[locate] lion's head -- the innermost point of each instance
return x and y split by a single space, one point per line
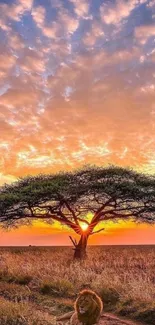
88 307
85 302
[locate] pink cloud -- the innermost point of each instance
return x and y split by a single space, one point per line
119 11
143 33
81 7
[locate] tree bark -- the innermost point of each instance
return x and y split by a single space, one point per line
80 249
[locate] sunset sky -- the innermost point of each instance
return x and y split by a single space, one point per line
77 86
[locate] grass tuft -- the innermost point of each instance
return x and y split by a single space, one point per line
21 314
61 288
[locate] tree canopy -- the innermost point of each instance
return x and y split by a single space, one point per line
108 193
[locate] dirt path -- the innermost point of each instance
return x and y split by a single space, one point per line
108 319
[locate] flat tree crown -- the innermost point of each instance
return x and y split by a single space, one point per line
108 193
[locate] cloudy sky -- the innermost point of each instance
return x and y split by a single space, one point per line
77 85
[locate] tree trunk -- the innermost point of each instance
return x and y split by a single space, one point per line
80 249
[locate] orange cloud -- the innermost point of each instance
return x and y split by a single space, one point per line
67 99
7 61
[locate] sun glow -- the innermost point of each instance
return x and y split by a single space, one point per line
84 226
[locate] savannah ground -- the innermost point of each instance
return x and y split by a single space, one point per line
36 284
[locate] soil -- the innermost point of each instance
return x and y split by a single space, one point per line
108 319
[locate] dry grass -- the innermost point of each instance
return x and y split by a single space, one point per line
22 314
123 276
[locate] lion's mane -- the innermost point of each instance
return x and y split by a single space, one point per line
88 308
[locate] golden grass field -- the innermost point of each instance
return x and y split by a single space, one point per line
38 283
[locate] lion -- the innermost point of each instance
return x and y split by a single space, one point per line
88 308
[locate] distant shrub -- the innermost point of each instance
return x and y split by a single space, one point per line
19 279
147 315
8 278
138 310
23 280
62 288
109 296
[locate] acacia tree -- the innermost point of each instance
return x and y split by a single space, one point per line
111 193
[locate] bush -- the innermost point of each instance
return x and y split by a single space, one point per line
137 310
23 280
61 288
147 315
109 296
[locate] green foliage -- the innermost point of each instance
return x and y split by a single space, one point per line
84 190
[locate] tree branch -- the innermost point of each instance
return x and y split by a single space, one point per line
72 212
83 220
96 217
69 223
95 232
73 241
